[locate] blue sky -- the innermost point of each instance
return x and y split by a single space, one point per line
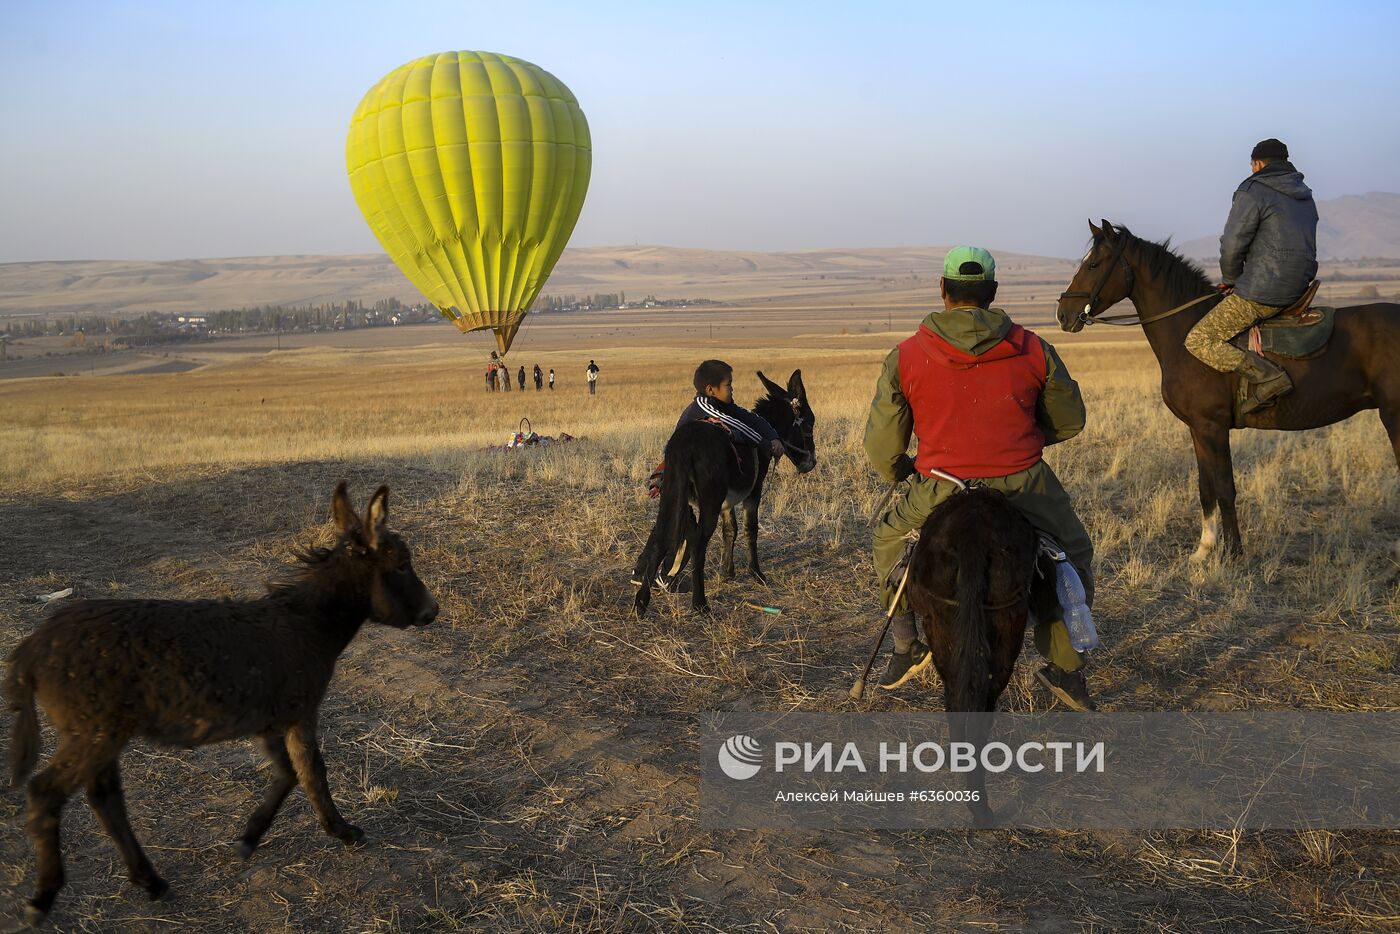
159 130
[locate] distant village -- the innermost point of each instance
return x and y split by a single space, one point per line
157 327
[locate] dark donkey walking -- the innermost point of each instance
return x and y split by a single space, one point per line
973 583
706 470
1356 370
189 673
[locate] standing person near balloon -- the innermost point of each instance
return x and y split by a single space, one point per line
521 376
504 376
551 379
491 378
592 378
539 378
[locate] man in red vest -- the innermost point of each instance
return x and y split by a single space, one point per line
984 396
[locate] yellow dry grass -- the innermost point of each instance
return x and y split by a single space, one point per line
525 764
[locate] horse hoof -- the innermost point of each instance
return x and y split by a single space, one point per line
244 848
35 916
156 888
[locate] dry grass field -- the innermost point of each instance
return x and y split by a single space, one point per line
528 762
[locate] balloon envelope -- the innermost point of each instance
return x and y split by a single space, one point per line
471 169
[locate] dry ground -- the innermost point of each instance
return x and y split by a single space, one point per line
528 762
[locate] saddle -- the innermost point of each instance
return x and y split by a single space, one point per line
654 479
1298 331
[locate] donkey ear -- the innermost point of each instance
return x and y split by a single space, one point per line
346 522
377 515
795 387
773 388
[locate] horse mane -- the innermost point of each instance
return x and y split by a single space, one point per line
1178 275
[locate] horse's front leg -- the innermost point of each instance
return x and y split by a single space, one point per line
1216 477
751 530
730 524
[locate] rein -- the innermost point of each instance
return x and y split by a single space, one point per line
986 606
1131 319
1087 316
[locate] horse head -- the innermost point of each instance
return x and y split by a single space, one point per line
1104 278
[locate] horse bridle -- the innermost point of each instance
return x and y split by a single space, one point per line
1087 316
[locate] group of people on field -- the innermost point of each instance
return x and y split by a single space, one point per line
498 377
984 397
498 374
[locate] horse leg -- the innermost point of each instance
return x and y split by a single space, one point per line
306 759
48 791
729 524
751 530
1389 408
1215 475
104 794
700 535
284 779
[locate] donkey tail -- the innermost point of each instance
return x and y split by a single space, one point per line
24 730
970 666
670 525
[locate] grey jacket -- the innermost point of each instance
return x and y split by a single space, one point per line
1269 249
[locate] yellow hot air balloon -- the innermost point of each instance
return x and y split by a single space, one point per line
471 169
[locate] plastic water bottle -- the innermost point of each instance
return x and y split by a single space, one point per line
1078 620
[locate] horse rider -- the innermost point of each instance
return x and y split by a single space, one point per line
1268 258
984 396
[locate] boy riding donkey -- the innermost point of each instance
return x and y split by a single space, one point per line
714 403
1268 258
984 396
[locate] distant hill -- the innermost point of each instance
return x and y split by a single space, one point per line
1350 227
130 287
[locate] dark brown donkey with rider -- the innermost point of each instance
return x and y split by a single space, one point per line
717 458
1338 362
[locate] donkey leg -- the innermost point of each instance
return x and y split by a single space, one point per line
48 791
104 794
1216 477
751 531
700 535
284 779
729 524
311 772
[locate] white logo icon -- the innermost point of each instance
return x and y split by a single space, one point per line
741 756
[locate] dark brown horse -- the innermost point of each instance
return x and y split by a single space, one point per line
974 584
1359 369
193 672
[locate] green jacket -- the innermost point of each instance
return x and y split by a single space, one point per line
1059 412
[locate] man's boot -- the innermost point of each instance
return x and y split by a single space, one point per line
1261 382
910 656
1067 686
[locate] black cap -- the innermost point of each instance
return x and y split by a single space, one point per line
1267 150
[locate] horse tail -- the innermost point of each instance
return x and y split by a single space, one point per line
970 666
24 731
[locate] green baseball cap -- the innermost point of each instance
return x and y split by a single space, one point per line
959 263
